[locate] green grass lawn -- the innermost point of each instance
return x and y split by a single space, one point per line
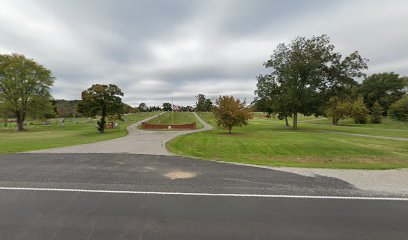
55 135
176 118
208 117
269 142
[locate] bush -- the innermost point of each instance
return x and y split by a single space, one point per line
376 113
399 109
359 111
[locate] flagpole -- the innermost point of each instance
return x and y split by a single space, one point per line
172 109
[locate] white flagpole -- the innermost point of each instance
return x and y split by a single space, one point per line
172 109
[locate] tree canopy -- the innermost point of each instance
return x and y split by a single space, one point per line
203 104
24 87
142 107
306 73
230 112
103 100
167 107
399 109
384 88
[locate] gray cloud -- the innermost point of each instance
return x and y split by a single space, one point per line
153 49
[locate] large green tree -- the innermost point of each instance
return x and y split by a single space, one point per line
307 72
273 97
142 107
384 88
102 100
230 112
24 87
167 107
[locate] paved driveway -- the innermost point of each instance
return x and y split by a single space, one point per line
136 142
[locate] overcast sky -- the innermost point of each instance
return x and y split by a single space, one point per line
152 49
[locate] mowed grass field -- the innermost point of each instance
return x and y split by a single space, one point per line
316 144
176 118
39 136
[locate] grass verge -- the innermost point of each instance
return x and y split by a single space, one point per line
38 136
268 142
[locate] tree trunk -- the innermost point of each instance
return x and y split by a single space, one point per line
286 121
20 121
335 121
295 120
103 122
229 130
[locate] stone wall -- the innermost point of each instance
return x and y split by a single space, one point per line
146 125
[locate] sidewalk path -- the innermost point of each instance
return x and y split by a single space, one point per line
136 142
366 135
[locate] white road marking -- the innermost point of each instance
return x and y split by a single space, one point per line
202 194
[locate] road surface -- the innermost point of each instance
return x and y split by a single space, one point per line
129 196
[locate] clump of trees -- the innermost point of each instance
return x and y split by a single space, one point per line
305 74
309 77
104 101
230 112
399 109
24 88
338 109
384 89
203 104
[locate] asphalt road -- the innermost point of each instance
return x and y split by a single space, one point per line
121 198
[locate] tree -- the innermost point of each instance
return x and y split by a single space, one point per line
376 113
399 109
384 88
142 107
103 100
263 105
338 109
231 112
273 97
308 71
24 87
203 104
359 111
167 107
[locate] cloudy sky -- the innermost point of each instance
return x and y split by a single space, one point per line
152 49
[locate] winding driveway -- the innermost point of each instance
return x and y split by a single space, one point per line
136 142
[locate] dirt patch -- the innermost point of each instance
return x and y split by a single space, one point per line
180 175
